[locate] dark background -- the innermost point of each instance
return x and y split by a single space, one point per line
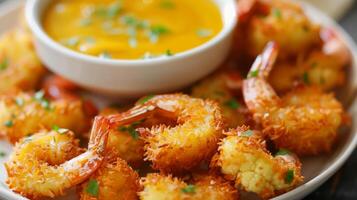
343 185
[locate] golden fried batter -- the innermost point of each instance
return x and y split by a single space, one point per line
114 179
24 114
243 157
203 187
20 68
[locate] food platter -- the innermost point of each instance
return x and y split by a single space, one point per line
316 170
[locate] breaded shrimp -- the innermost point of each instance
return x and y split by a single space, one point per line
225 87
24 114
48 163
323 68
114 179
183 146
20 68
203 187
125 142
244 158
280 20
304 121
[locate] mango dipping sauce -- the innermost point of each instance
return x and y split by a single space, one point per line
132 29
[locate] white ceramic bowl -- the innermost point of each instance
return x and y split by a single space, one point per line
133 77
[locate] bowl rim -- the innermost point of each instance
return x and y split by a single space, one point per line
228 28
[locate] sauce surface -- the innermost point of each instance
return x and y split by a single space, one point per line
132 29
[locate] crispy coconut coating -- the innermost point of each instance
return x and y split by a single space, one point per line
125 143
224 87
31 170
243 157
203 187
20 68
48 163
114 179
278 20
24 114
193 140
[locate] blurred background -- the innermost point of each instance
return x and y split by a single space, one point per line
343 185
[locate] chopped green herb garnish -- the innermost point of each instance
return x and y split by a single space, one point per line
129 20
19 101
233 104
9 123
113 10
289 176
85 22
72 42
145 99
134 134
159 30
204 33
4 64
247 133
105 55
167 4
131 129
305 78
2 154
133 43
59 130
90 39
283 152
277 13
253 74
45 104
39 95
169 53
93 187
189 189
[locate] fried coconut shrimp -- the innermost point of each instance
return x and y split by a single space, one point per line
24 114
20 68
324 68
224 87
203 187
275 20
125 141
114 178
183 146
48 163
244 158
304 121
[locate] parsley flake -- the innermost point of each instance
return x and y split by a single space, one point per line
289 176
189 189
247 133
4 64
169 53
145 99
253 74
233 104
283 152
2 154
9 123
204 32
19 101
277 13
93 187
106 55
167 4
85 22
72 42
59 130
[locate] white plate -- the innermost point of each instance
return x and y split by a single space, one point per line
334 8
316 170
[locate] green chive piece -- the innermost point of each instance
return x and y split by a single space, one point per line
2 154
169 53
85 22
113 10
233 104
189 189
247 133
289 176
72 42
9 123
253 74
204 33
133 43
277 13
122 129
167 4
134 134
145 99
159 30
4 64
305 78
19 101
60 130
93 187
106 55
283 152
39 95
